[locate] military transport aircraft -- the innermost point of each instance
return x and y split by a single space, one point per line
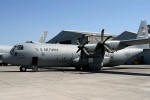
4 49
82 56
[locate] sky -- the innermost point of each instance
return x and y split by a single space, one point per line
24 20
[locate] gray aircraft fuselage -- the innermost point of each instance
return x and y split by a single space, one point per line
48 55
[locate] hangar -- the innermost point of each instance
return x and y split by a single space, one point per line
70 36
126 35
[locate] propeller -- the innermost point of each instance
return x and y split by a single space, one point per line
81 47
102 43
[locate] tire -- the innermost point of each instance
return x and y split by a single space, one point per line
23 69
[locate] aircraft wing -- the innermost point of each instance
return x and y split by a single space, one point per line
117 45
134 42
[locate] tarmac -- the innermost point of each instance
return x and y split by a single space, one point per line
126 82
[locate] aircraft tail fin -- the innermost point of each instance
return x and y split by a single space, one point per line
143 30
143 34
43 37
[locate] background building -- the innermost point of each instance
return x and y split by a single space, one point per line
71 37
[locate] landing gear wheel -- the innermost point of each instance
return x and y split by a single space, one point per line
23 69
78 68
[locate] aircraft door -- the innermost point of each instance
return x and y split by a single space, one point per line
34 61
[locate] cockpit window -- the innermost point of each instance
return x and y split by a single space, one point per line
17 47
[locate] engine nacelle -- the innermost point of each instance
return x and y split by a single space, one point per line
114 45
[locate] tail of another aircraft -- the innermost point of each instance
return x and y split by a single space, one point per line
143 30
143 34
43 37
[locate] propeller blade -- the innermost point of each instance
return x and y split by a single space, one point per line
108 49
81 46
78 50
78 42
85 51
107 38
102 35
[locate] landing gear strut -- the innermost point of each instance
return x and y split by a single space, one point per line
35 69
23 69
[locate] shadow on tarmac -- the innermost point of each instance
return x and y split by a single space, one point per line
108 70
125 73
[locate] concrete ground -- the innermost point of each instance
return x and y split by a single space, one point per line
119 83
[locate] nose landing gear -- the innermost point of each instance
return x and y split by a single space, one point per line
34 66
